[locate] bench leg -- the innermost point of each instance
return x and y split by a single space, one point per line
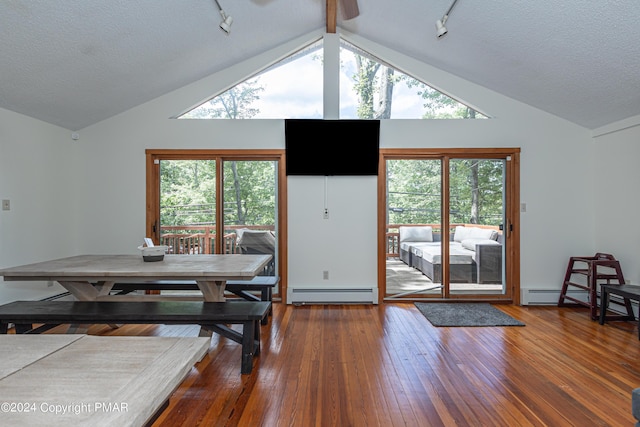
23 328
249 339
604 304
627 305
250 345
267 295
256 337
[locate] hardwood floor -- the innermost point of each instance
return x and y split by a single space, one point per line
365 365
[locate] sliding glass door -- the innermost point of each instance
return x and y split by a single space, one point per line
476 221
414 224
217 202
250 209
448 222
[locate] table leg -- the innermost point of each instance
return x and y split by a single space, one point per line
206 333
104 288
212 291
83 291
75 328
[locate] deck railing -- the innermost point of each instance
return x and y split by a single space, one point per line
200 239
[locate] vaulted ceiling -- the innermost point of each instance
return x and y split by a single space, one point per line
76 62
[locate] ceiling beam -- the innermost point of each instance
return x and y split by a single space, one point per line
332 15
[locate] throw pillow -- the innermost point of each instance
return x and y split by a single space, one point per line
422 233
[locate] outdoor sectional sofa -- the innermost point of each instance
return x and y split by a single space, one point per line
475 254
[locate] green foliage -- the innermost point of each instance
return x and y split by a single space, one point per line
188 192
415 192
187 195
489 185
374 84
437 105
249 192
235 103
365 85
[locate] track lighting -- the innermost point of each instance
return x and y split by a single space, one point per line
225 25
441 30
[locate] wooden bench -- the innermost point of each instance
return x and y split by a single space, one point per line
628 293
241 288
210 315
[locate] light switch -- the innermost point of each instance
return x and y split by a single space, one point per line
6 205
523 207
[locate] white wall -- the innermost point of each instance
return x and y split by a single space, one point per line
103 175
344 245
37 176
617 200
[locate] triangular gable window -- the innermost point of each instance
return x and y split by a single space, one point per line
372 89
281 91
369 89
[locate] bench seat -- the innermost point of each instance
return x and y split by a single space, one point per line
241 288
210 315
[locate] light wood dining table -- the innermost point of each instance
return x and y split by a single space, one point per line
91 277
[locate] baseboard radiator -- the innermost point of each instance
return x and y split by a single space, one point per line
551 296
547 296
319 295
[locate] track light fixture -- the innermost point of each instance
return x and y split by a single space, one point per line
225 25
441 30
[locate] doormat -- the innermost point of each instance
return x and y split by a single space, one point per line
465 314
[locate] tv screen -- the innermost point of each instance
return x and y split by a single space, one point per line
332 147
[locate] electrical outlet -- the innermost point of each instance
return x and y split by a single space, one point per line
325 275
6 205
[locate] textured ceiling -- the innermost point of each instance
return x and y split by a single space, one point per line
76 62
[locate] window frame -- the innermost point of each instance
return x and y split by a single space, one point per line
512 211
153 158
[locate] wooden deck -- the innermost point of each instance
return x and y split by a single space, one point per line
401 278
386 365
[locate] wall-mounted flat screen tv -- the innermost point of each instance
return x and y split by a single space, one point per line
332 147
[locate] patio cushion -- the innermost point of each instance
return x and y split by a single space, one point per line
256 241
432 253
416 234
462 233
471 243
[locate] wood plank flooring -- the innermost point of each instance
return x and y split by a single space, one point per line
386 365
